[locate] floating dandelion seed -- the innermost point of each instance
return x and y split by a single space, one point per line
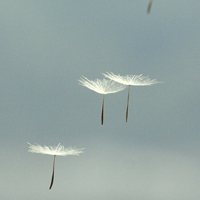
102 87
149 6
55 151
136 80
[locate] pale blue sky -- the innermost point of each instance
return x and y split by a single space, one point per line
46 46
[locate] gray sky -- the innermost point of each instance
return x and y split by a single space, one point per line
46 46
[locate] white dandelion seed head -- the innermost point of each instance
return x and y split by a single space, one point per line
136 80
103 86
58 151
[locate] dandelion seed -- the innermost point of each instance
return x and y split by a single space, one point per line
135 80
149 6
103 86
55 151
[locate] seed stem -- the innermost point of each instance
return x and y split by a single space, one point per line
102 112
127 104
52 178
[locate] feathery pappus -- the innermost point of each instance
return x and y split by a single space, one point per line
128 80
103 86
55 151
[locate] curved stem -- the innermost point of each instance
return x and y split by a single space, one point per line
102 110
127 104
52 178
149 6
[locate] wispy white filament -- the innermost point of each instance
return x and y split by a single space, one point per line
136 80
103 86
58 150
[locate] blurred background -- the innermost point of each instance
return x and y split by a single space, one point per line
46 46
